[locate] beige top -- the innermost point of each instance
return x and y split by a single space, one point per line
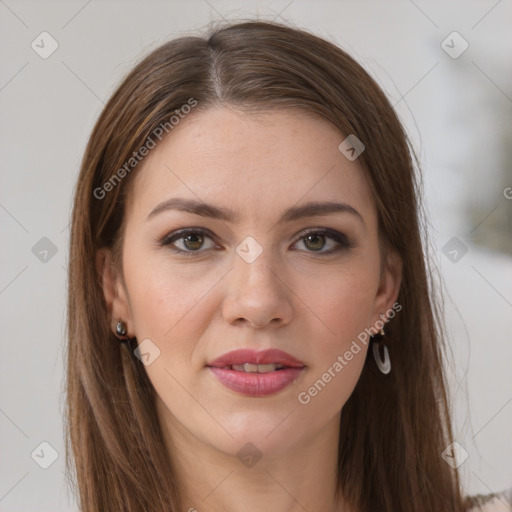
497 502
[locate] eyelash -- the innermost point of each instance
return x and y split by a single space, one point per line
340 238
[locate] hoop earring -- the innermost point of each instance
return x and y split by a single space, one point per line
384 365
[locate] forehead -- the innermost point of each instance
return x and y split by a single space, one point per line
252 163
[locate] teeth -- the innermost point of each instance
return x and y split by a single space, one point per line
256 368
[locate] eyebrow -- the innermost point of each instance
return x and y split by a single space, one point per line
312 209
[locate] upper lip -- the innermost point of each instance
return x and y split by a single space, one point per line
268 356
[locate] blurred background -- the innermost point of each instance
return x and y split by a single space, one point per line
446 67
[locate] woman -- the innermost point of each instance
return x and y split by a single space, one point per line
249 307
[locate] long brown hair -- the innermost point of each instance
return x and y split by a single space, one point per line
394 427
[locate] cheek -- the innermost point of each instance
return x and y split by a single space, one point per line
164 299
338 360
345 302
345 307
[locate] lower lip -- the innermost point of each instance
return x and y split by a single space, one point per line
256 384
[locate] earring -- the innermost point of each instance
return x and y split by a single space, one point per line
121 331
384 365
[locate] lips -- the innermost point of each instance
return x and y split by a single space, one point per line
252 357
254 373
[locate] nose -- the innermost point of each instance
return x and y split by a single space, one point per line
257 294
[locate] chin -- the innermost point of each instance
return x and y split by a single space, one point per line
271 434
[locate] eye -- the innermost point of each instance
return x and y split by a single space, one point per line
191 240
315 240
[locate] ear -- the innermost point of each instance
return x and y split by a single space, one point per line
114 290
389 285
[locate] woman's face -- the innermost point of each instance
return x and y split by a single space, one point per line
257 271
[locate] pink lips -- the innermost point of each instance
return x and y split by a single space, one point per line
256 384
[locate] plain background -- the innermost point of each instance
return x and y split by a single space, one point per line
456 110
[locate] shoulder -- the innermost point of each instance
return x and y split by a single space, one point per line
496 502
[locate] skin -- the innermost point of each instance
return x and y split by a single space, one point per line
292 297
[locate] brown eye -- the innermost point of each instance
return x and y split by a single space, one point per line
193 242
315 242
188 241
319 239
